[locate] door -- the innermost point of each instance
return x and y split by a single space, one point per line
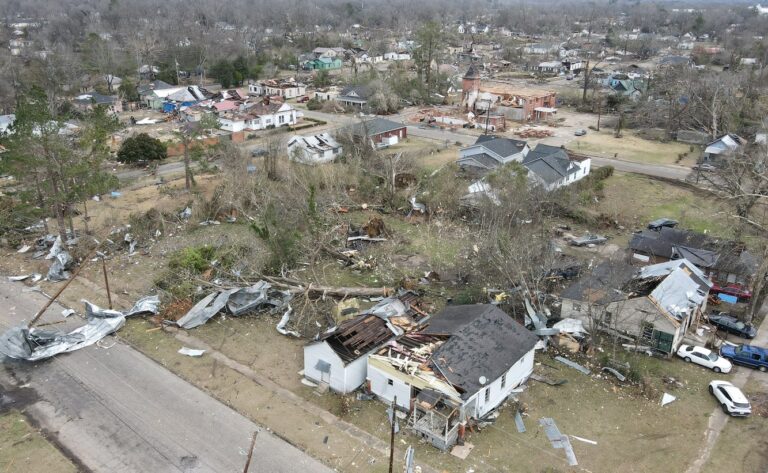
662 341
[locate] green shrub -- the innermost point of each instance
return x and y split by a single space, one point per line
142 147
195 260
314 104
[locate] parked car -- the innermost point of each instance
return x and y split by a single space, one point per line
736 290
706 358
747 355
580 132
256 152
732 400
589 239
303 99
704 167
660 223
731 324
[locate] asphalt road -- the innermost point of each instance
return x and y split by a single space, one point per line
655 170
115 410
338 120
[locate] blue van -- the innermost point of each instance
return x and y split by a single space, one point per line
747 355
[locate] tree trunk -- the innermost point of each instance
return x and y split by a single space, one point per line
187 169
86 217
57 206
586 83
758 287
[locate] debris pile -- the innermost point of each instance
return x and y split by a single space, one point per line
237 302
33 344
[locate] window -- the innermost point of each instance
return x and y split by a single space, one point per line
487 394
577 307
503 380
391 382
607 318
647 331
281 118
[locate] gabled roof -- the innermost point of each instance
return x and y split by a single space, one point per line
683 288
504 147
357 91
672 243
374 127
472 73
724 144
95 98
155 85
484 343
550 163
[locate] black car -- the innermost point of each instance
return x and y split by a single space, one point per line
732 325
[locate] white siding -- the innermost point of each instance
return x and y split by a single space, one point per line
516 375
343 378
321 351
230 125
379 382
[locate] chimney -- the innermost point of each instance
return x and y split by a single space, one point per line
266 100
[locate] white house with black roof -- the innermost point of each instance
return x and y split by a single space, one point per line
551 167
354 96
462 365
490 152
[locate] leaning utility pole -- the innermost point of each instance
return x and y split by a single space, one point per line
392 436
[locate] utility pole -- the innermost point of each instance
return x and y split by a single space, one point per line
392 436
250 452
106 279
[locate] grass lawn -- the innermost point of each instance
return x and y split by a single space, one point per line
428 154
23 448
633 148
634 200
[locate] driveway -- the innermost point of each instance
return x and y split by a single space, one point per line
718 419
114 410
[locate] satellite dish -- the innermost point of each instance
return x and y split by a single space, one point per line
483 380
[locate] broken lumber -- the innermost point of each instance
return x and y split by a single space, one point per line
344 291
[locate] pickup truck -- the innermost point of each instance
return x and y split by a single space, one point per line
747 355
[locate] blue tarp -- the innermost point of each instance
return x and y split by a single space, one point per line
169 107
727 298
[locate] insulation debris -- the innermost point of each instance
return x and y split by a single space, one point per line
667 398
191 352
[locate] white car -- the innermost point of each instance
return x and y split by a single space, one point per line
706 358
731 398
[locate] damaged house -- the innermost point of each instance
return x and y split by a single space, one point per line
727 263
459 368
654 305
313 149
338 359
